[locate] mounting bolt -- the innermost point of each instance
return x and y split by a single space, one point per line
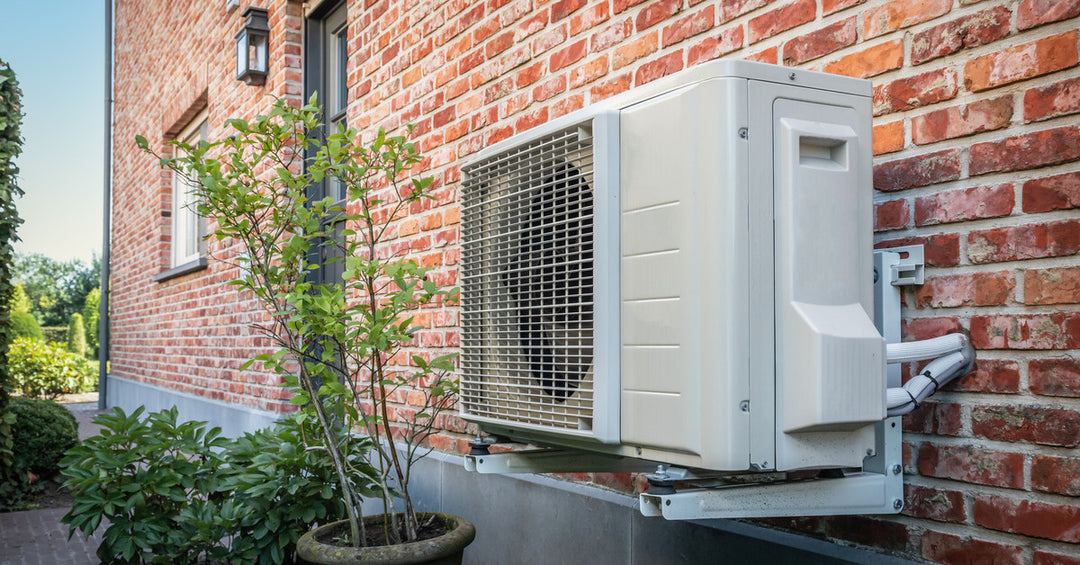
744 406
743 133
896 469
897 504
869 452
791 76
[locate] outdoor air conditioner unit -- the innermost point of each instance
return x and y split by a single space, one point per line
682 273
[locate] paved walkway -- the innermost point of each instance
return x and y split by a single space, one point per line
36 537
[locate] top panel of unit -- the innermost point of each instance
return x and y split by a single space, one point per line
719 69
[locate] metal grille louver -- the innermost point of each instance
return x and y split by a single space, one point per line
527 274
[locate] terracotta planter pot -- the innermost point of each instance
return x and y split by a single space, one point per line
315 547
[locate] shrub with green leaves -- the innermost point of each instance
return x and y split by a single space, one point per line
91 313
24 325
44 430
76 335
40 369
177 492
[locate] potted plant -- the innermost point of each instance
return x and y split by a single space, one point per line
338 340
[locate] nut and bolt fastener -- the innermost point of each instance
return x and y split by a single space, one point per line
791 76
898 504
896 469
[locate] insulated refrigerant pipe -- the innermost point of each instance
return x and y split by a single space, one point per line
955 357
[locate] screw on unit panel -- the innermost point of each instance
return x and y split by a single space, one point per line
744 406
791 76
743 133
897 504
896 469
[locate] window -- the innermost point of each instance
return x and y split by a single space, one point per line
187 226
326 58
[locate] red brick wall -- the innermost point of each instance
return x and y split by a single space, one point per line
977 157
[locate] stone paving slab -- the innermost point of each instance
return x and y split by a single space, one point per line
36 537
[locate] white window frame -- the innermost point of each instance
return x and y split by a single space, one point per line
187 226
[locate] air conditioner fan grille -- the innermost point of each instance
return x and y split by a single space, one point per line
527 274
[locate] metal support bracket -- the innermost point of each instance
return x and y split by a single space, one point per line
909 268
554 461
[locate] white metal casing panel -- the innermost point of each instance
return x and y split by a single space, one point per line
684 279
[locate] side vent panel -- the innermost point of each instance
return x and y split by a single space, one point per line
528 267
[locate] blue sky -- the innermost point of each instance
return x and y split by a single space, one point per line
57 50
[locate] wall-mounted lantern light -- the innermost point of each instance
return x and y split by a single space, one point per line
252 45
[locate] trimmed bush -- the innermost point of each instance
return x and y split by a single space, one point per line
40 369
76 335
91 314
54 334
43 431
24 325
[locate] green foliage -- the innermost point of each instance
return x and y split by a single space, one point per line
54 334
20 302
338 338
91 313
10 148
40 369
24 325
76 335
57 289
177 492
44 430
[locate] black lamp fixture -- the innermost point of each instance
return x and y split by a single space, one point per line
252 47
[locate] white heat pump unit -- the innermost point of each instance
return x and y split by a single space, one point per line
682 273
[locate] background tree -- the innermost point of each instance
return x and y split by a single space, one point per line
57 289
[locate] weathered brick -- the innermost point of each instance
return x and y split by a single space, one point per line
891 215
549 88
656 12
780 19
563 8
1022 62
953 550
1060 192
1035 331
820 42
1059 475
964 204
588 72
1045 558
1037 519
926 328
1044 426
1031 13
934 504
961 120
975 289
888 137
689 26
1054 377
611 34
1027 151
1052 286
869 62
972 464
730 10
913 92
648 72
766 56
633 50
890 536
989 375
941 250
939 418
830 6
590 18
921 170
899 14
1052 239
968 31
1058 99
568 55
712 47
623 5
610 87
